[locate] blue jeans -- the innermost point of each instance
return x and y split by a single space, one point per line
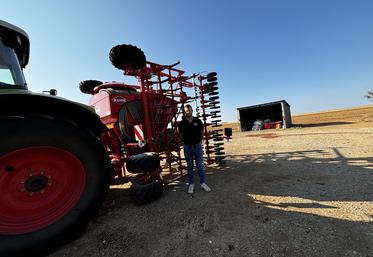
194 152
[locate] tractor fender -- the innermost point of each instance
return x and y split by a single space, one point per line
20 102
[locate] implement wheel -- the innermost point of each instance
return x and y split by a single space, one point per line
53 178
142 193
127 56
87 86
142 163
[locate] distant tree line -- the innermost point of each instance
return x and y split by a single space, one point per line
369 96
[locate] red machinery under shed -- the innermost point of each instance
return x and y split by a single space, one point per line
275 112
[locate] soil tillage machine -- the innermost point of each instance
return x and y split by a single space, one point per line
142 119
58 158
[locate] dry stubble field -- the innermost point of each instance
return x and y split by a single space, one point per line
304 191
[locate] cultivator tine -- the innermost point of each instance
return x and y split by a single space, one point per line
217 139
210 89
218 148
210 84
205 101
213 93
214 103
215 122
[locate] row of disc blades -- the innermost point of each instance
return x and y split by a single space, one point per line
212 102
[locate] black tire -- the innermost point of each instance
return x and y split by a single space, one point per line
145 193
127 56
17 134
142 163
87 86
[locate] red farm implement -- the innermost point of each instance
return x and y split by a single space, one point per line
58 157
142 119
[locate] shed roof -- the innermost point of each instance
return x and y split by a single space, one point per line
263 105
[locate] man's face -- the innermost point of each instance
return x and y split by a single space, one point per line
188 112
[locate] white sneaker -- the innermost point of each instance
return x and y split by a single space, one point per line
191 189
205 187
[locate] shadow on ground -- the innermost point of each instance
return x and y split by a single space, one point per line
303 203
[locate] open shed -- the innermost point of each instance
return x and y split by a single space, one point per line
275 111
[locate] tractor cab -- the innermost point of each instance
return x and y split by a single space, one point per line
14 55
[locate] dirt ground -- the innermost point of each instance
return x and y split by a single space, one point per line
303 191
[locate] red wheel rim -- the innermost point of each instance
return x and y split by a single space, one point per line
38 186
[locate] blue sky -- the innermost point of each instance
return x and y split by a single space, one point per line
317 55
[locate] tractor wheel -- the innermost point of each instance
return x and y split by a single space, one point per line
142 163
127 56
53 178
145 193
87 86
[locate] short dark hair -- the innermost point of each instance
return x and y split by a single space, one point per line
188 106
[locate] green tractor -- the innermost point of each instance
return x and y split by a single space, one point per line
54 172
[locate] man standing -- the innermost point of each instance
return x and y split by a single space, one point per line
191 132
